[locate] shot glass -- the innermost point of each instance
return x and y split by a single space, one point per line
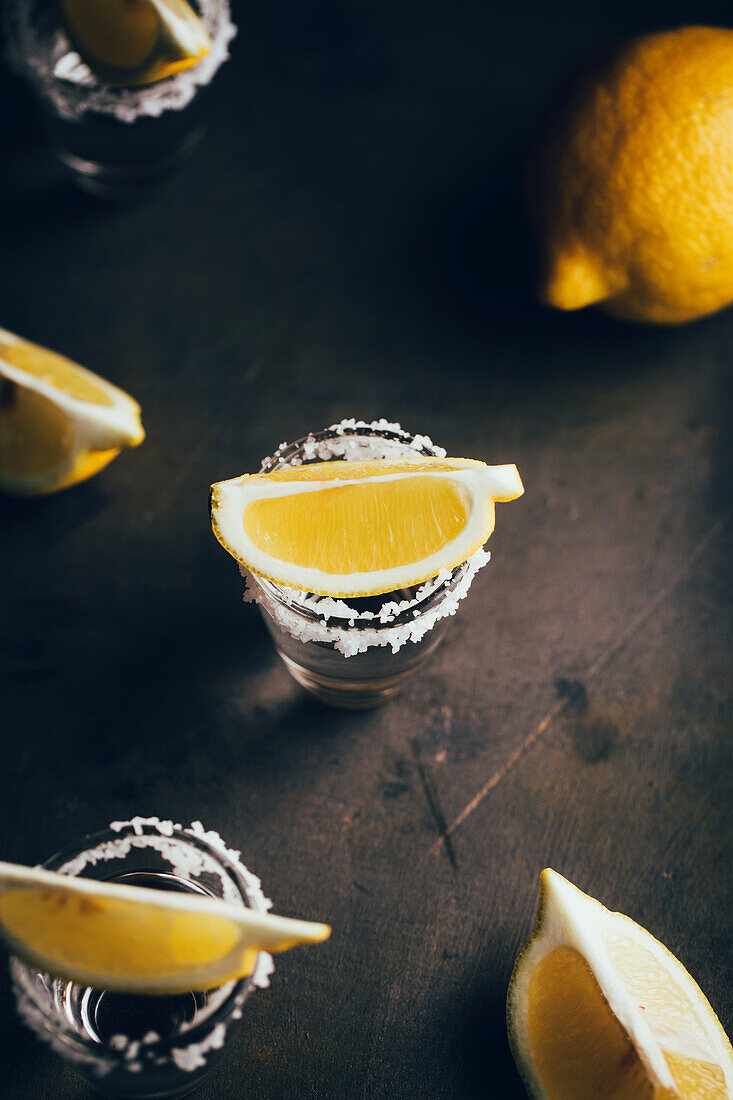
358 653
130 1045
114 142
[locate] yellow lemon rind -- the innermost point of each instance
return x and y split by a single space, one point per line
620 223
83 466
229 498
257 931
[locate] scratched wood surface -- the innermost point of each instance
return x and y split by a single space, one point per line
351 242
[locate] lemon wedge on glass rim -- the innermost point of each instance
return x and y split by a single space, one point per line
360 528
133 939
59 423
598 1009
136 41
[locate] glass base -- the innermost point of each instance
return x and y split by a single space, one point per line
125 181
347 694
168 1094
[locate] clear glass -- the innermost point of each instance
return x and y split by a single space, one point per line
115 142
144 1046
358 653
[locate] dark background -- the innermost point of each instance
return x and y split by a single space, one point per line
350 241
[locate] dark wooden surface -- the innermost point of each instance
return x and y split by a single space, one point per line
351 242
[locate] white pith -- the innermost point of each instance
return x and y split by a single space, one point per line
187 31
571 918
479 485
258 929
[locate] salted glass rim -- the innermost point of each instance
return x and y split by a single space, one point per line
355 619
54 1021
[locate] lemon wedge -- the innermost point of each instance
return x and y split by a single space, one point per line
136 41
599 1010
360 528
133 939
59 423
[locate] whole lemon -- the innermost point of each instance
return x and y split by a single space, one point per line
631 187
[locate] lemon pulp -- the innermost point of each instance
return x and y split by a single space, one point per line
115 937
119 33
353 529
581 1050
54 369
